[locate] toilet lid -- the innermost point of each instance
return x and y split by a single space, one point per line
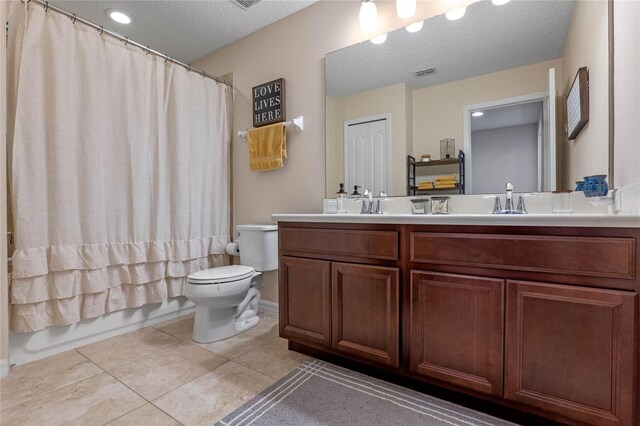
221 274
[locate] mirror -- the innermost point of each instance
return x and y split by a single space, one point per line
484 83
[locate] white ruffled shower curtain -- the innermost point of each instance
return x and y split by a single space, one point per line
119 173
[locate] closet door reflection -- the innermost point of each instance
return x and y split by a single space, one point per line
367 154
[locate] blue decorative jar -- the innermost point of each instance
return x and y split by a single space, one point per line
595 186
579 185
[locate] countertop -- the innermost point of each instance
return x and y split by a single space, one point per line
572 220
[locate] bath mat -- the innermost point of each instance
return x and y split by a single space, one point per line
319 393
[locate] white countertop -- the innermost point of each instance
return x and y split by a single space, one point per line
572 220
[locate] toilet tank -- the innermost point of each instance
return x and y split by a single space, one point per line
258 246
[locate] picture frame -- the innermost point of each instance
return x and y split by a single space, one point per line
268 103
577 103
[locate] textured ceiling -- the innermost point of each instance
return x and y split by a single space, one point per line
512 115
487 39
185 30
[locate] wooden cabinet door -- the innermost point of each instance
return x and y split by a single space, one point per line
305 301
456 330
572 351
365 308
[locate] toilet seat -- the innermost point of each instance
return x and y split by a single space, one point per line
221 275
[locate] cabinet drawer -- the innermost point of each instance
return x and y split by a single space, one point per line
365 244
590 256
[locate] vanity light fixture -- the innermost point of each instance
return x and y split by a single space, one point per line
455 14
415 27
368 16
500 2
477 114
405 8
118 16
379 39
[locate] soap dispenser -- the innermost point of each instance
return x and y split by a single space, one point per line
341 196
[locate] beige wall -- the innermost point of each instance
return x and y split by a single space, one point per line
385 100
438 109
587 45
293 48
626 16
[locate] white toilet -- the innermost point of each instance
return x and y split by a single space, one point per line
227 297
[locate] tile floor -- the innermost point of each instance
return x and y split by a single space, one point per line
153 376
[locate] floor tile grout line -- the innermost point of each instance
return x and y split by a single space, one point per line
2 409
119 381
65 386
147 401
264 339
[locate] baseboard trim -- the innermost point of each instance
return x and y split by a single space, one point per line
4 368
267 306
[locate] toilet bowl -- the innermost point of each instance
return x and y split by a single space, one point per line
227 297
226 301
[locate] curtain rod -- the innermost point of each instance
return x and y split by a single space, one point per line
101 30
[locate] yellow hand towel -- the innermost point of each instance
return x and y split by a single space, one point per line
446 182
443 186
267 147
447 177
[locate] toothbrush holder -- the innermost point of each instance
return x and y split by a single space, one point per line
595 186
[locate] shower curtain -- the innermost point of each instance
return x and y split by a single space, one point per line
119 173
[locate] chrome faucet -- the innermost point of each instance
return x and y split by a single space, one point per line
508 203
368 205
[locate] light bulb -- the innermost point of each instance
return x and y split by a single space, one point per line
120 17
500 2
415 27
405 8
379 39
368 16
456 14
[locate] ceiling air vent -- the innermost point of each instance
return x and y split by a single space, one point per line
424 72
246 4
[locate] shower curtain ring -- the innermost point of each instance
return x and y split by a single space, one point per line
204 74
126 41
148 50
101 30
46 6
73 20
189 69
166 58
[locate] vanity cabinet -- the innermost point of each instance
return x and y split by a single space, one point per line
305 300
570 350
365 312
536 318
456 332
347 307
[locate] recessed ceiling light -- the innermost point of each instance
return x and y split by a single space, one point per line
415 27
477 114
379 39
500 2
119 16
456 14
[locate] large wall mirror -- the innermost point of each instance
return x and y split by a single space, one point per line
495 82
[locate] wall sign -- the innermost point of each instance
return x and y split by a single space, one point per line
268 103
578 103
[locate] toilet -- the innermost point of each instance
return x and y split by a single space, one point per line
227 297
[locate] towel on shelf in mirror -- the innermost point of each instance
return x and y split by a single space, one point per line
267 147
451 177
